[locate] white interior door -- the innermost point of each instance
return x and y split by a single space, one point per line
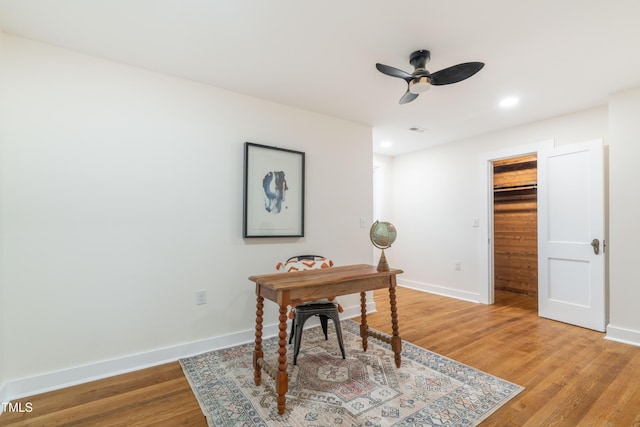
571 271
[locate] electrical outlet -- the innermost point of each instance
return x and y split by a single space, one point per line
457 265
201 297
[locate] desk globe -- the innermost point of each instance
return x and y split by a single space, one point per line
382 235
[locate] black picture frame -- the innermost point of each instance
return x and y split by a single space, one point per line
274 181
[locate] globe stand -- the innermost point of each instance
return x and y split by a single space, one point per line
382 235
383 265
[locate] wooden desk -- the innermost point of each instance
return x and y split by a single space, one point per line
309 285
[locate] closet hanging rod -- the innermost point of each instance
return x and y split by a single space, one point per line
515 188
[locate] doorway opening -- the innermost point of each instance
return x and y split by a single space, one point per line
515 227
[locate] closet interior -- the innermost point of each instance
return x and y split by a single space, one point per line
515 225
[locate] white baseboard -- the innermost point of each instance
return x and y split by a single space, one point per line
440 290
30 386
623 335
24 387
614 333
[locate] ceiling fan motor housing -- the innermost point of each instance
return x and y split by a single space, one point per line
419 59
421 81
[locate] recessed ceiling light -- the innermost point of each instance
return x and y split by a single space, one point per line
509 102
386 144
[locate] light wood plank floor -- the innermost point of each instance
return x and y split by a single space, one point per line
572 376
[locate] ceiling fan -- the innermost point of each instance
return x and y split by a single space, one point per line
420 80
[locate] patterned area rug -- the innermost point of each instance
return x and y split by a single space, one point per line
365 389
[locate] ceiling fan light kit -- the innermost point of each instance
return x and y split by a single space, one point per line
421 79
419 85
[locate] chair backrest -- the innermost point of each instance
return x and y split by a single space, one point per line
307 262
304 262
301 257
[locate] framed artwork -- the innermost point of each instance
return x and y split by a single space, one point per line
273 192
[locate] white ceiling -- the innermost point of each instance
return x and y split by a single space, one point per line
558 56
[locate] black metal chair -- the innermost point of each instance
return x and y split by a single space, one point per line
324 309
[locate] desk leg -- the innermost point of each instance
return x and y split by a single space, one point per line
282 379
363 320
396 342
257 352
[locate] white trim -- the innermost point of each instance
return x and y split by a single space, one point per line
623 335
485 243
439 290
81 374
24 387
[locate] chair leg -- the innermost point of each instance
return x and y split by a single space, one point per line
336 322
297 326
324 321
296 342
293 328
302 318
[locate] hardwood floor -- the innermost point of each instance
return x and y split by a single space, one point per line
572 376
158 396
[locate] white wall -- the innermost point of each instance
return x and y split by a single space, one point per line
3 308
624 250
122 196
382 203
436 195
382 174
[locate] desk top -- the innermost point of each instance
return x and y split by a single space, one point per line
322 282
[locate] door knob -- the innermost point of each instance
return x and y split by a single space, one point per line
596 246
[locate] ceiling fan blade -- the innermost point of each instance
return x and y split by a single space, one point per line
455 73
393 72
408 97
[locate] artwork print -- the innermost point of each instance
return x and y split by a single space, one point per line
273 192
275 189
